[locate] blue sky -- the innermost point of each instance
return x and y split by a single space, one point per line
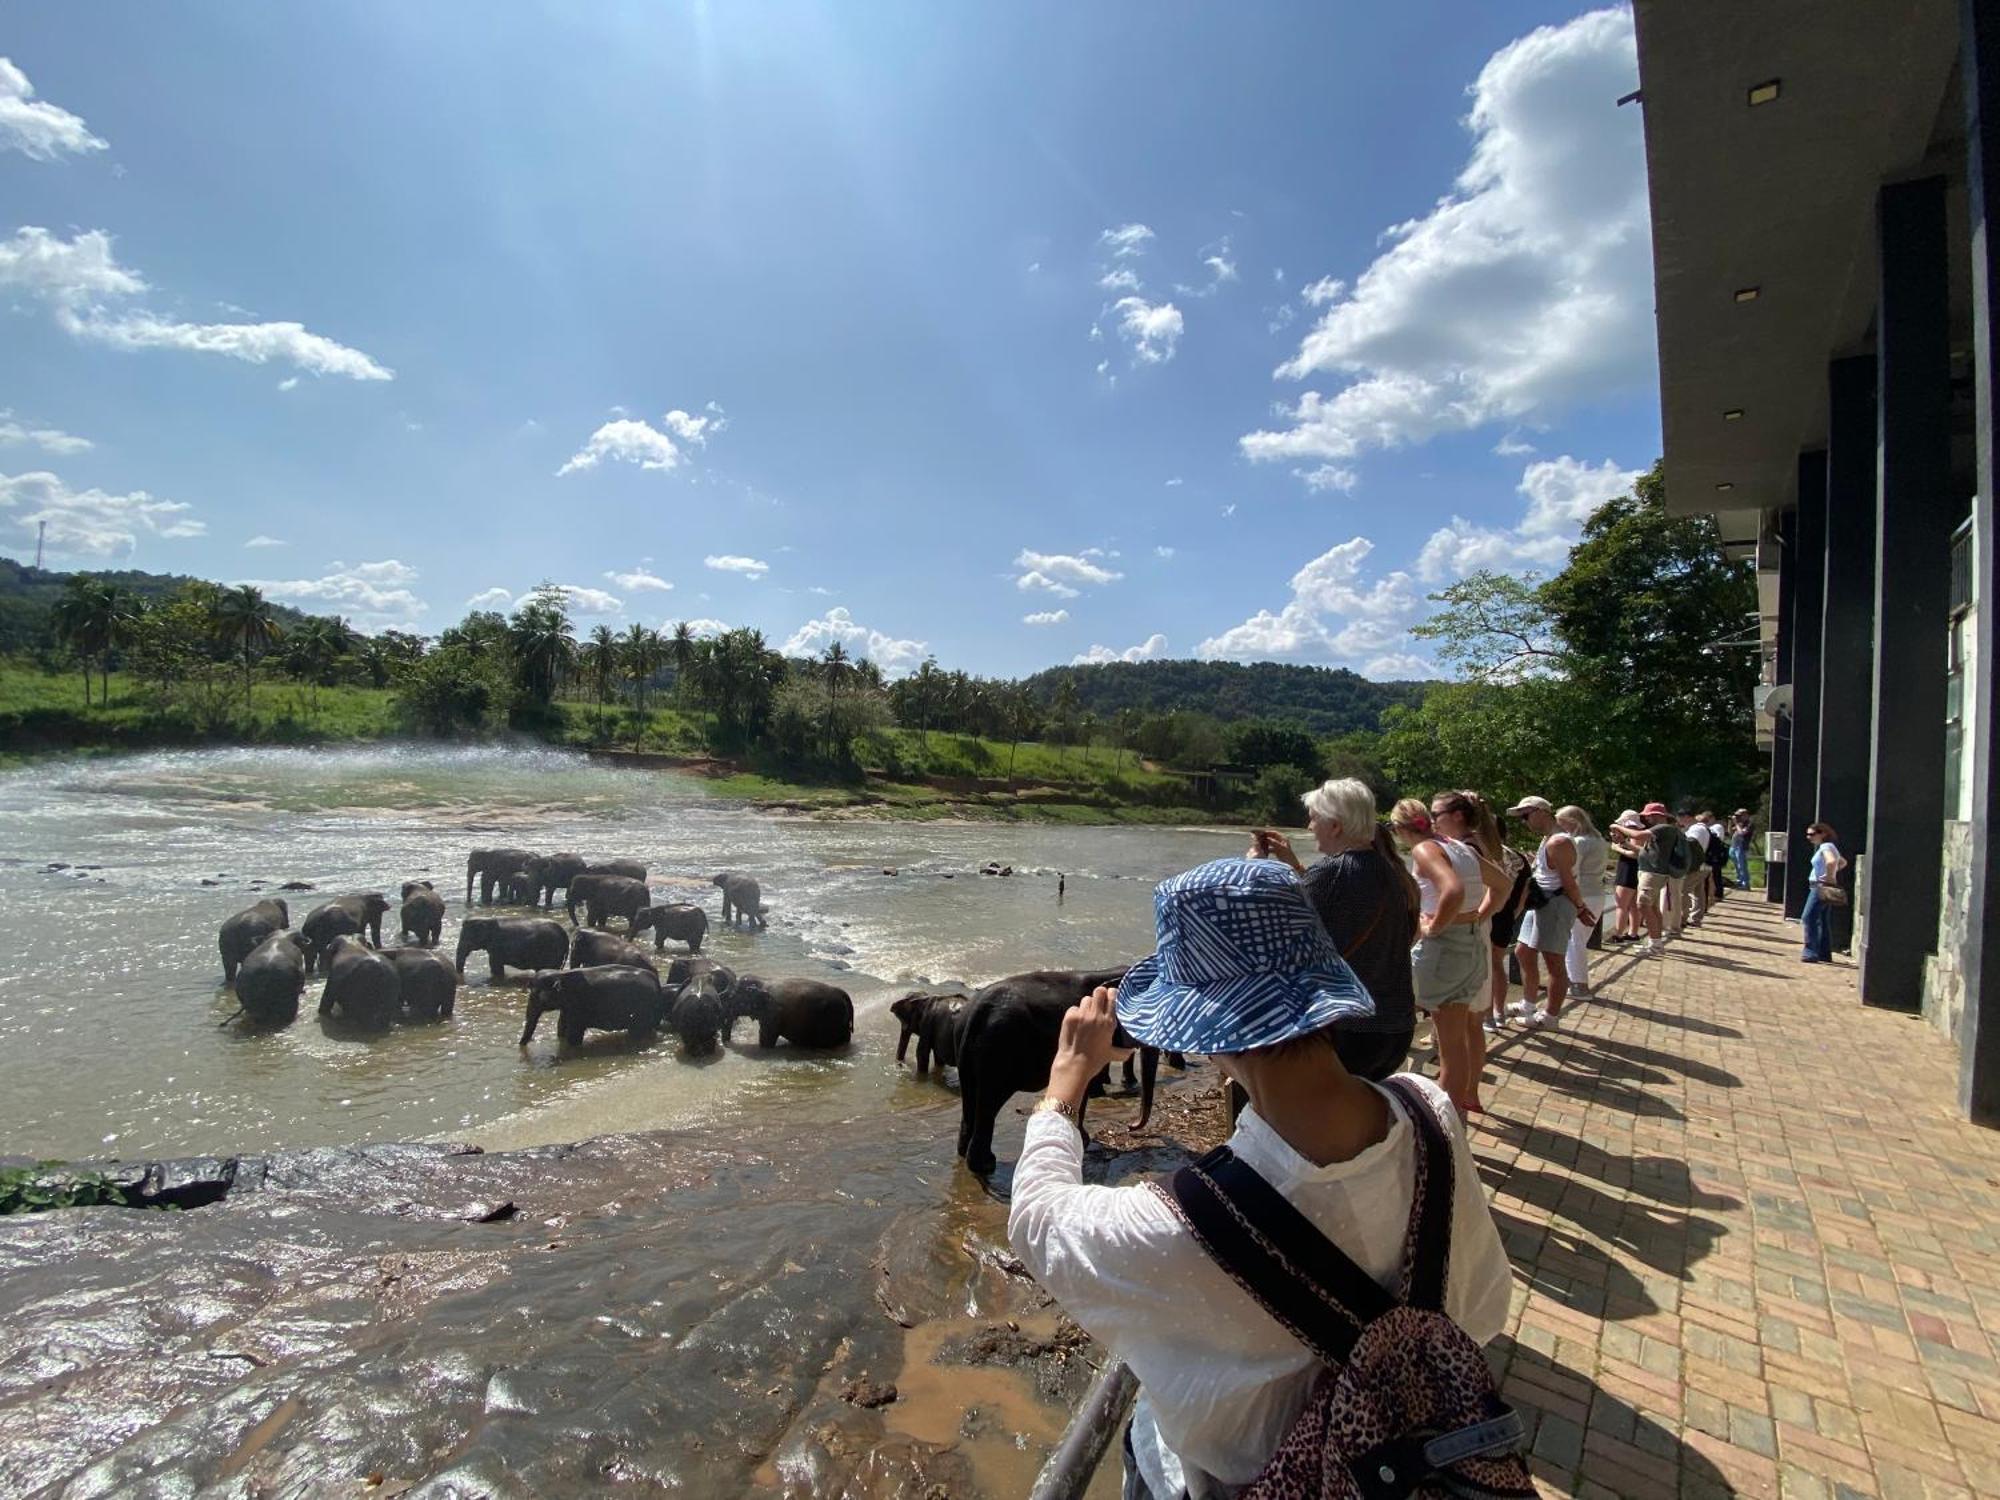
1012 334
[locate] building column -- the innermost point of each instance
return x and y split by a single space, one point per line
1979 1035
1808 597
1781 732
1847 644
1912 591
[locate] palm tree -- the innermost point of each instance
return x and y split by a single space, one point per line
836 665
1018 707
1127 730
314 648
1065 709
924 688
599 659
539 637
641 652
682 650
245 623
1087 728
95 618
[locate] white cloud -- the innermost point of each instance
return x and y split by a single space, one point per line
1334 613
749 567
1126 240
1528 288
1175 482
289 383
584 600
1560 493
371 595
1329 477
893 656
637 580
1513 446
34 127
1229 510
1150 649
76 276
1281 318
704 627
1046 617
91 523
1151 329
1060 573
693 430
1220 265
1326 289
1398 666
632 440
266 541
493 598
48 439
823 592
1163 552
1038 580
1120 279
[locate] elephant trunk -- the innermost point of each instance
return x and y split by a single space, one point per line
903 1046
464 952
535 1008
471 869
1149 1072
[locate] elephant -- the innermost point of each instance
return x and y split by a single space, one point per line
608 896
360 983
524 942
741 897
603 997
687 968
701 1010
243 932
423 912
518 888
804 1012
677 920
491 865
1007 1043
358 914
271 978
591 947
937 1022
631 869
427 983
554 872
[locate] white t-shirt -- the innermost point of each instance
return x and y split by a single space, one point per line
1699 833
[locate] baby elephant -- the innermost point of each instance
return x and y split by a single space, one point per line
591 947
741 897
423 912
359 913
677 920
608 896
427 983
271 978
603 997
244 931
936 1022
804 1012
360 983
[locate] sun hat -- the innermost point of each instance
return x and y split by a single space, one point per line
1537 804
1629 819
1655 810
1243 963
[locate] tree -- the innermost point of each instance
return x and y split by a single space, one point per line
313 649
93 619
244 620
1262 742
835 666
642 655
599 658
682 649
1065 705
541 642
1021 715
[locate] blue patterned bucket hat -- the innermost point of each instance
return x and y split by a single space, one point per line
1243 963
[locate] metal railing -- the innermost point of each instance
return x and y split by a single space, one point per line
1961 568
1090 1433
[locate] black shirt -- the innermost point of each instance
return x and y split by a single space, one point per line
1363 906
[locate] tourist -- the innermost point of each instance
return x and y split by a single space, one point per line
1369 905
1448 964
1555 905
1625 878
1694 878
1591 853
1823 892
1220 1381
1742 828
1718 856
1658 851
1469 818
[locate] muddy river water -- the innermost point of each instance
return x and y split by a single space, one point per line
710 1296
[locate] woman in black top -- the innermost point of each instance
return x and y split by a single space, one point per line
1368 903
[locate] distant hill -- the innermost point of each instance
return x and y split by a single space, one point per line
27 594
1322 700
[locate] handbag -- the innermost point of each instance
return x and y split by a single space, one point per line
1831 893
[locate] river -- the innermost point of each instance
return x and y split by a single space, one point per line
115 874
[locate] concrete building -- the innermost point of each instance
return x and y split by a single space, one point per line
1827 279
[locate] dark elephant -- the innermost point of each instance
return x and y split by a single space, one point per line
630 869
741 897
687 968
702 1010
937 1022
427 983
517 888
554 872
1007 1044
360 983
524 942
271 978
423 912
248 928
591 947
804 1012
604 997
491 865
359 914
608 896
677 920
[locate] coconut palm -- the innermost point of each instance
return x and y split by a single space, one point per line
640 651
244 621
93 619
1019 709
836 666
539 638
1065 710
599 658
924 689
681 648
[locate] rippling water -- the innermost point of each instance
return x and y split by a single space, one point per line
113 1018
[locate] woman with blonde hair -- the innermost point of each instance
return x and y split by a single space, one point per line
1448 963
1467 815
1591 853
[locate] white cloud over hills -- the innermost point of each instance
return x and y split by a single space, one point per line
370 595
90 523
1152 648
895 657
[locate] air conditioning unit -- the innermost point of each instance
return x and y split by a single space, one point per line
1771 701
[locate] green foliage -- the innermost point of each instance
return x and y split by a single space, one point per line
455 691
50 1184
1274 795
1261 742
1320 700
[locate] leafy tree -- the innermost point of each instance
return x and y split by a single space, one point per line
313 649
835 667
599 659
1262 742
243 618
1275 794
682 649
452 691
93 619
540 639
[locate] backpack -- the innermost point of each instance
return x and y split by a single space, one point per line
1679 857
1406 1404
1718 848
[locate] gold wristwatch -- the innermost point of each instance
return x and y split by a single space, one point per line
1051 1105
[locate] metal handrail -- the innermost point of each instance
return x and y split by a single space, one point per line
1074 1462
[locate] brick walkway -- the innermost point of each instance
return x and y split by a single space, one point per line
1757 1252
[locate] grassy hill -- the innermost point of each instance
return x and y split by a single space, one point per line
28 593
1324 701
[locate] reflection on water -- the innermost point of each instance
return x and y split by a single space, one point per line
114 1022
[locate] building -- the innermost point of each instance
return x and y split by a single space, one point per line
1827 281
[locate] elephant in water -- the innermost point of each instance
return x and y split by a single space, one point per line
491 865
702 1010
524 942
741 897
608 896
519 888
357 914
937 1022
591 947
603 997
427 983
360 983
423 912
631 869
804 1012
249 927
271 978
553 872
677 920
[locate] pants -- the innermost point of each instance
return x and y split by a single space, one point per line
1676 898
1694 891
1741 859
1577 960
1817 919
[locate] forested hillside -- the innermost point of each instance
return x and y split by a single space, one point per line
28 594
1323 700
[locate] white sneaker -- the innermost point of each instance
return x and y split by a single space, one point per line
1549 1019
1490 1026
1522 1010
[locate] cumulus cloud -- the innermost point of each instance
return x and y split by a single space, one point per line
1398 666
584 600
893 656
261 540
1046 617
80 280
373 595
1319 293
34 127
704 627
1126 240
1528 287
749 567
638 579
493 598
1061 574
91 523
1513 446
1335 613
289 383
1151 330
1220 266
1560 494
1150 649
1120 279
632 440
1329 477
14 433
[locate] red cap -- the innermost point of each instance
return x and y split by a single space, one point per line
1655 810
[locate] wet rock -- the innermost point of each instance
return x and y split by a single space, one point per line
211 882
866 1393
888 871
297 885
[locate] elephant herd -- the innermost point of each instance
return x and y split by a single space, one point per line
592 978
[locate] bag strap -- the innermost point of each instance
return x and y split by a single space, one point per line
1427 1246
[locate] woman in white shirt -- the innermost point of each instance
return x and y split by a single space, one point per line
1591 857
1817 918
1246 974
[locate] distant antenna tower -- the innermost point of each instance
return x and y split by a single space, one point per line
41 531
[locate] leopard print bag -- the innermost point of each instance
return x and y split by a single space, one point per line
1406 1405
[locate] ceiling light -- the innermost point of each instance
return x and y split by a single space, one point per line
1724 488
1748 293
1734 414
1765 92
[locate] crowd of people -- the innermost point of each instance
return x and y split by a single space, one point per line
1346 1207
